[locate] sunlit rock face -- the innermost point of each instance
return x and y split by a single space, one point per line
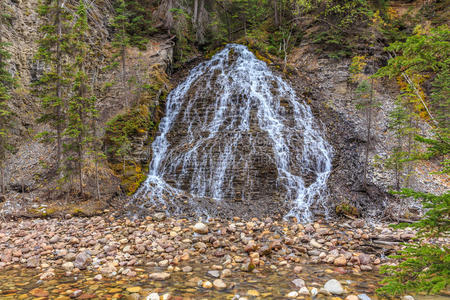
236 141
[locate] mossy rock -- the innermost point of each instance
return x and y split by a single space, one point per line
42 212
133 177
346 209
85 212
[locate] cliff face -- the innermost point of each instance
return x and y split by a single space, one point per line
28 167
323 82
333 97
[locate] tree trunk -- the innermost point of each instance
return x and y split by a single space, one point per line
2 175
80 165
194 19
410 142
58 87
199 26
397 166
280 12
275 13
81 110
169 15
123 54
95 138
2 183
97 184
369 127
228 26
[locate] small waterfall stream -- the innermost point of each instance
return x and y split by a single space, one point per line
235 133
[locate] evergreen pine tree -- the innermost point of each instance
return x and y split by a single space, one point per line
423 267
365 101
6 83
53 84
121 41
81 106
398 125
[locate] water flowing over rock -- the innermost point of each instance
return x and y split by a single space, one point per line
237 140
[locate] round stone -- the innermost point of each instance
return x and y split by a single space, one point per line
201 228
334 287
219 284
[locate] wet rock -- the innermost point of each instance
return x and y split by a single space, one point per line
98 277
159 217
200 246
298 269
167 296
292 295
49 274
38 292
334 287
351 297
134 296
304 291
163 263
364 259
323 291
226 273
315 244
366 268
340 261
299 283
219 284
214 273
206 285
407 297
200 228
70 256
153 296
17 253
82 260
134 289
187 269
363 297
108 270
248 266
251 246
309 229
253 293
68 266
359 223
275 245
265 250
33 262
159 276
76 294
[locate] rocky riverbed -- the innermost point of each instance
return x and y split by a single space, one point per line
157 257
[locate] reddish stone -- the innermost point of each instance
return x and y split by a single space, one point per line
37 292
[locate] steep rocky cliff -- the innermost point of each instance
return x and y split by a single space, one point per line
28 168
321 81
326 83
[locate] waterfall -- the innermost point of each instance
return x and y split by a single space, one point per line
235 133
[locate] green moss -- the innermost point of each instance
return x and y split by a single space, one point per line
213 52
42 212
78 212
346 209
120 135
121 130
133 177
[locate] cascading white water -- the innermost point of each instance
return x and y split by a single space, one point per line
229 125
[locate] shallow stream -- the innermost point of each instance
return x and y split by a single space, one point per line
19 284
